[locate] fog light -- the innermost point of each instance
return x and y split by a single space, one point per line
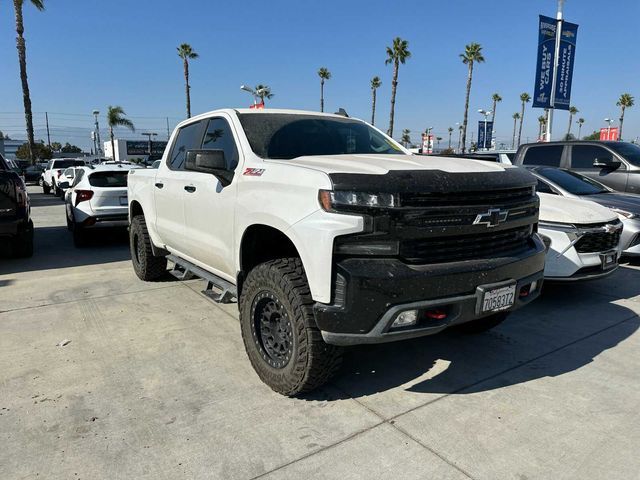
405 319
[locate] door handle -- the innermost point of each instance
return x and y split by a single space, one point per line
190 188
159 185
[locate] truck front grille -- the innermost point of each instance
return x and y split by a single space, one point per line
466 247
598 242
495 197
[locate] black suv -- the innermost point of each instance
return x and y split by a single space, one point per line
616 164
16 226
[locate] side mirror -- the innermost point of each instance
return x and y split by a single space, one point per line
609 163
209 161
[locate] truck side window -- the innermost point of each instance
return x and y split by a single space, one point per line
188 138
582 156
543 155
219 137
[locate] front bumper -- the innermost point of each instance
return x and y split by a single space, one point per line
369 293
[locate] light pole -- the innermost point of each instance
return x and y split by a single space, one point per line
98 148
149 135
547 133
609 122
486 113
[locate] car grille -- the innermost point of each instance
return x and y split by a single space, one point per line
598 241
521 194
466 247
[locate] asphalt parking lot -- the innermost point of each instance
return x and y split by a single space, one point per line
154 383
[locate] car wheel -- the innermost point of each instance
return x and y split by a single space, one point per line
284 345
147 266
45 188
482 324
39 182
23 243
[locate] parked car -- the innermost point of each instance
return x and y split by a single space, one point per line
615 164
330 233
558 181
16 226
582 238
66 180
97 199
53 172
33 173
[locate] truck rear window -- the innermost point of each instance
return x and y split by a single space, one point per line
108 179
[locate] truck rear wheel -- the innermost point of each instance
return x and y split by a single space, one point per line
284 346
147 266
482 324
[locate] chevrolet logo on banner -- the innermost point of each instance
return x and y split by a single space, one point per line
492 218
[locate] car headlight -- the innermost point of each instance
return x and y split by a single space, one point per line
344 199
624 213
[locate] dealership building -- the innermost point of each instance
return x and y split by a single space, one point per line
128 150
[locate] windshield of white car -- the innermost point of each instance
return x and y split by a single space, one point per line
629 151
109 179
572 182
286 136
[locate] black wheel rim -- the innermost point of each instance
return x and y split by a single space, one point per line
271 329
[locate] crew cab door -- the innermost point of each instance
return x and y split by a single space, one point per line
209 207
582 158
169 190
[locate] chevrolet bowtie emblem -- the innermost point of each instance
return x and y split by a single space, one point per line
492 218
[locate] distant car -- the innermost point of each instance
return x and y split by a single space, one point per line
615 164
558 181
33 173
66 180
582 238
97 199
54 170
15 212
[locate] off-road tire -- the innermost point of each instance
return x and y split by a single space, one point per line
45 188
23 243
482 324
311 362
147 266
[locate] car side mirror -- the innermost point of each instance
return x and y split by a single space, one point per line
209 161
606 163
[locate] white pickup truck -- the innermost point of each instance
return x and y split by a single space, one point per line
329 233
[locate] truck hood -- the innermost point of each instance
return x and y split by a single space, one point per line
382 164
557 209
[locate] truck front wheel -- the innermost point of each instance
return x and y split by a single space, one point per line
284 346
147 266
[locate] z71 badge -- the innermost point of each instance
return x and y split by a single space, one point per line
253 172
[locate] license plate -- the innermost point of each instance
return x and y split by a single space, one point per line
609 260
124 201
498 299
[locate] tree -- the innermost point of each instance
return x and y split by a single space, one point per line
397 54
116 117
186 53
594 136
56 146
516 117
496 99
459 136
324 74
580 122
22 61
472 55
625 101
542 121
68 148
438 141
406 137
263 91
524 98
40 151
450 130
376 83
572 112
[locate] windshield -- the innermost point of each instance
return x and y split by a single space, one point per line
286 136
572 182
629 151
67 163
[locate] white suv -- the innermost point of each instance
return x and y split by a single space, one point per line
53 172
97 199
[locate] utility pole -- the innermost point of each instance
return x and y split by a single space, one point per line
547 134
46 117
97 130
149 135
168 132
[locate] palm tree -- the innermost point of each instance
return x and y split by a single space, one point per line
324 74
572 112
580 122
397 53
450 130
516 117
406 137
496 99
459 136
263 91
376 83
472 54
116 118
625 101
22 60
524 98
186 53
542 120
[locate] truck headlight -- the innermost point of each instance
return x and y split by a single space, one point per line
338 199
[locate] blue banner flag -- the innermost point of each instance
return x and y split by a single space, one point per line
566 57
544 68
485 132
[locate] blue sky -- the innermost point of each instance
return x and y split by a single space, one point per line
85 54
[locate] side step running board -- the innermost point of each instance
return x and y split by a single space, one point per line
184 270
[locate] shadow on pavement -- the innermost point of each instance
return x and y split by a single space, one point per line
42 200
562 320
